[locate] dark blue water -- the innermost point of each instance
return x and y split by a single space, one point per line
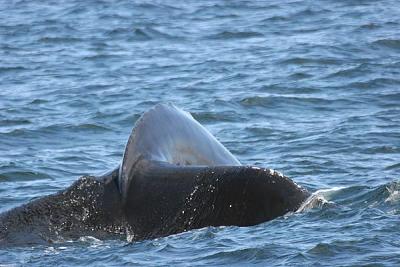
309 88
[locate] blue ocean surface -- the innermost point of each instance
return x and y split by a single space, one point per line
309 88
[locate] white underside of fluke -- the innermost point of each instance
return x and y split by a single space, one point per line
168 134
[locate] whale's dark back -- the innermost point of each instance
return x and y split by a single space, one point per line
163 200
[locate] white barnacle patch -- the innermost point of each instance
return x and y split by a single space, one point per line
193 192
85 214
298 186
274 172
211 189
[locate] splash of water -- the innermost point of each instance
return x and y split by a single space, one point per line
318 199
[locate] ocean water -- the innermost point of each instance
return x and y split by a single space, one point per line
309 88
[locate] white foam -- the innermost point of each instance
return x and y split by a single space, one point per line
394 194
318 199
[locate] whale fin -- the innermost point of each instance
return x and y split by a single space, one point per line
166 133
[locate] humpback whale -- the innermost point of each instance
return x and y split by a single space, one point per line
174 176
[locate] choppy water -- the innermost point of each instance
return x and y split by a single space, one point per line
309 88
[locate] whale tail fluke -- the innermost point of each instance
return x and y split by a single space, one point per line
164 199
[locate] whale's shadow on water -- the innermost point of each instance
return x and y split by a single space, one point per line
174 176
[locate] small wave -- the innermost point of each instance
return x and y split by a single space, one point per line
309 12
23 176
148 33
304 61
12 69
38 101
374 83
278 100
235 35
382 150
141 35
59 40
391 96
370 26
318 199
388 43
7 47
275 19
239 255
381 197
30 131
215 116
350 72
385 198
131 34
14 122
160 6
299 76
90 126
279 88
97 57
56 128
117 32
393 166
261 131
